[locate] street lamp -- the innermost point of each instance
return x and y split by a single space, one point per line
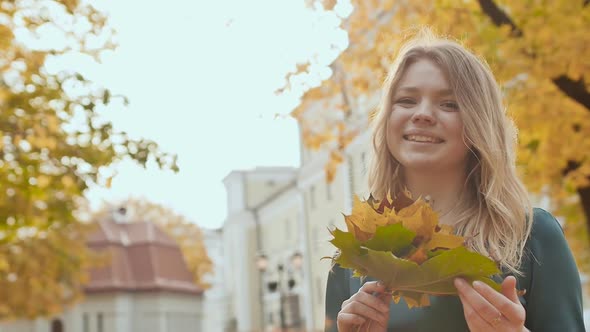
296 261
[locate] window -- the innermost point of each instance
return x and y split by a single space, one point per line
312 197
85 322
57 325
100 322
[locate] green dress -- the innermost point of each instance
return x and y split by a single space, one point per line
553 299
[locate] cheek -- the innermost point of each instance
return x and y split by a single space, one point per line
454 125
395 122
392 128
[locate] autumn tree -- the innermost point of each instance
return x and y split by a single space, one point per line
539 52
53 145
187 234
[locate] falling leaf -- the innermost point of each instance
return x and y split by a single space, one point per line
109 182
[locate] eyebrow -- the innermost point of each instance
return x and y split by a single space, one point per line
445 92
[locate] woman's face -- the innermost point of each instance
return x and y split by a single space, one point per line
425 129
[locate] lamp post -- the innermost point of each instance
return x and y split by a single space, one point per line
296 261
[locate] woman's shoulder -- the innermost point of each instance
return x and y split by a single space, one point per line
547 238
545 226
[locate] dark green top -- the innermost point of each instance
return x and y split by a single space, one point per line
553 299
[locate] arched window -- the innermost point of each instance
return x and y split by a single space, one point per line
57 326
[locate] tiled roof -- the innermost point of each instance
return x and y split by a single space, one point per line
143 258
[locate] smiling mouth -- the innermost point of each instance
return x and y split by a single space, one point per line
422 139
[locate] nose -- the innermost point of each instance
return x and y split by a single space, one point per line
424 114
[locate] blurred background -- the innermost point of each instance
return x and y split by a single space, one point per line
176 165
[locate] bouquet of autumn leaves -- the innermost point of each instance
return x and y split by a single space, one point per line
399 242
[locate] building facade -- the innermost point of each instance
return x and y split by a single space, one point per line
145 287
216 303
276 238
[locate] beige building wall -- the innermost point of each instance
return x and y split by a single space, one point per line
324 204
124 312
282 237
215 301
249 195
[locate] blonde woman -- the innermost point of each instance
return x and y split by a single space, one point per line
442 131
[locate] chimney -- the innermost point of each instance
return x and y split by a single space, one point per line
120 215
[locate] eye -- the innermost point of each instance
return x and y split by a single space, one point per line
450 105
405 101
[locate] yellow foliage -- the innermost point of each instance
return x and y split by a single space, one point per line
542 62
43 257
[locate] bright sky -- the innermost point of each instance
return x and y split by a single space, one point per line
200 77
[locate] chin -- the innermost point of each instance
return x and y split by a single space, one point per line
421 165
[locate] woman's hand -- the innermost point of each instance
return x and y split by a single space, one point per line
366 310
487 310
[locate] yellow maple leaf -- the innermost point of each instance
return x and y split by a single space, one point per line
443 237
364 220
416 216
419 218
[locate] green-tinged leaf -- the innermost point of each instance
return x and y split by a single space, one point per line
394 238
460 262
434 253
435 276
381 265
344 240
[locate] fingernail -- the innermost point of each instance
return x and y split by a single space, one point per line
477 283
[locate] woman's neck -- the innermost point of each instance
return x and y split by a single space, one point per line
443 190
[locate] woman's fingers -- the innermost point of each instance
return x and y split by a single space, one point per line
509 289
373 287
349 319
493 307
506 303
368 304
478 305
472 317
372 294
361 308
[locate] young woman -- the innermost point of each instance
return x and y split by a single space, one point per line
442 131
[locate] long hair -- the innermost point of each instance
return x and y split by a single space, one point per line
496 213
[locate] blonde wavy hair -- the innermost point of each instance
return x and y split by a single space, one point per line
495 210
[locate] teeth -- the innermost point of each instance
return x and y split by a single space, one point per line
419 138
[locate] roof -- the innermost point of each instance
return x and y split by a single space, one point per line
143 259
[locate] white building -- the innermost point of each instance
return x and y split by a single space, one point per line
216 302
282 215
146 287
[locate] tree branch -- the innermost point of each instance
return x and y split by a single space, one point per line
498 16
573 89
576 90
